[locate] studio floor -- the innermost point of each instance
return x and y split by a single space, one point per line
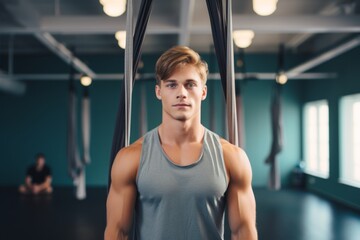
283 215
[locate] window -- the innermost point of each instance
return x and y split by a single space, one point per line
350 140
316 138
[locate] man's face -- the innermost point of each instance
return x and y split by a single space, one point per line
40 162
181 94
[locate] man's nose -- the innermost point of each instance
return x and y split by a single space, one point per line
182 93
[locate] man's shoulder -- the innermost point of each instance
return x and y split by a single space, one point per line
129 155
236 162
127 162
132 149
230 148
136 147
232 153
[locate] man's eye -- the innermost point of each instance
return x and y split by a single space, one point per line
191 85
171 85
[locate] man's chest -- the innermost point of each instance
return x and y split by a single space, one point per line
184 155
200 181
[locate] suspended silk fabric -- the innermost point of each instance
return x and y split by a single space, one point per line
212 93
277 140
221 25
240 118
132 56
74 162
86 132
128 73
217 21
143 127
230 80
225 125
75 165
85 120
239 100
274 182
80 185
212 113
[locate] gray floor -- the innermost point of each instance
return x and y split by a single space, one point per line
283 215
300 215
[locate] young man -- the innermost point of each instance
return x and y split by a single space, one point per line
178 178
38 177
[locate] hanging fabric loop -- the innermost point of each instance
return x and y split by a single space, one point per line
136 38
221 27
129 76
230 79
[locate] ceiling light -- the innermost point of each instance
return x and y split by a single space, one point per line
264 7
243 38
281 78
122 43
114 8
85 80
121 37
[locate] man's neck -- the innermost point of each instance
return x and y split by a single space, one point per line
178 132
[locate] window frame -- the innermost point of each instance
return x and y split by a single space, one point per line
346 139
319 164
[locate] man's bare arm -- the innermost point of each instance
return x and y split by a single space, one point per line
240 197
46 184
28 181
122 194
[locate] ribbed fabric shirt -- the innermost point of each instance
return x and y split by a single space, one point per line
180 202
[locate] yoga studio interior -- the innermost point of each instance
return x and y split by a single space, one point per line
77 84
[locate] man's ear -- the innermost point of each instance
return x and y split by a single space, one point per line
158 92
204 93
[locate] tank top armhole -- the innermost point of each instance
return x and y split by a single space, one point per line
217 137
142 157
141 162
139 169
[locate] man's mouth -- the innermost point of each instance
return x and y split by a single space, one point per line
181 105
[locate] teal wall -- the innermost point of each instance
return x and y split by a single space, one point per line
257 96
347 68
36 121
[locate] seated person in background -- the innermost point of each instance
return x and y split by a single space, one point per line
38 177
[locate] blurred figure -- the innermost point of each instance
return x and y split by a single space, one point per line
38 177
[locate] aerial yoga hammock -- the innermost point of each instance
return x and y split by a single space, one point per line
277 143
239 100
221 25
134 41
77 164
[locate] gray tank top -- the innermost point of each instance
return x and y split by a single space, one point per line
180 202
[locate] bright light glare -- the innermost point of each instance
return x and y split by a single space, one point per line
121 37
85 80
243 38
114 8
281 78
264 7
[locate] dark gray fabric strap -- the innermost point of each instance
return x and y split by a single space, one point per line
138 36
221 26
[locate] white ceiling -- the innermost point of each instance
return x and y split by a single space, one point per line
299 24
59 28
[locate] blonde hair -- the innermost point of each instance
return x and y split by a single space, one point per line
170 60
